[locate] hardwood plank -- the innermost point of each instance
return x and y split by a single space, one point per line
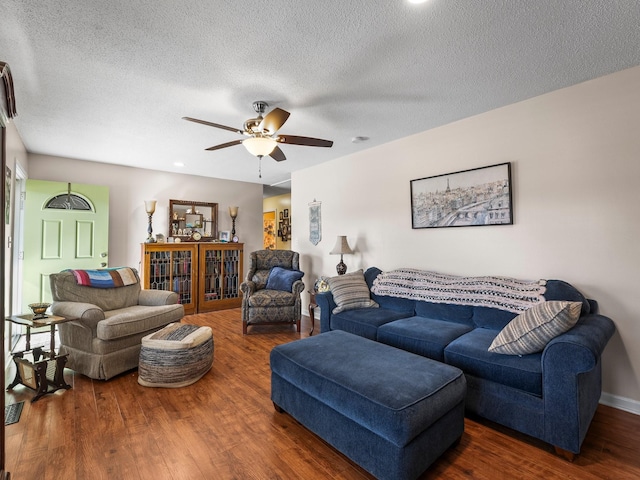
225 427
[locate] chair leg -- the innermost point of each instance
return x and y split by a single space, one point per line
244 327
298 325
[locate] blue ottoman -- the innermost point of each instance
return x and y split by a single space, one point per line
392 412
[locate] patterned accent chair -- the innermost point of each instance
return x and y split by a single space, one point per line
265 306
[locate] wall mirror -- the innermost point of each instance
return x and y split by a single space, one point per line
193 220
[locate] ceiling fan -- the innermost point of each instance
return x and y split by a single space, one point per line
261 132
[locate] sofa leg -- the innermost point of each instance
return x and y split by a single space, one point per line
298 325
566 454
244 328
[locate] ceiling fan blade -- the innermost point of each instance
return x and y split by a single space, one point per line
277 155
225 145
308 141
210 124
274 120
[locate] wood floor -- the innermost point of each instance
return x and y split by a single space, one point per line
225 427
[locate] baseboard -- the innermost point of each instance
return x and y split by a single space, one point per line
621 403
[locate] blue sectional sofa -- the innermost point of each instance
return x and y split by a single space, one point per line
550 395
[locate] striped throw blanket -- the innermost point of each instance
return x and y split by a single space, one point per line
105 278
496 292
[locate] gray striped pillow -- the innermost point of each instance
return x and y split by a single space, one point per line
350 291
530 331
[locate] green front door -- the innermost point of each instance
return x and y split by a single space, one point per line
64 227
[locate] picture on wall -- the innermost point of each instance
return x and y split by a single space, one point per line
269 230
315 222
469 198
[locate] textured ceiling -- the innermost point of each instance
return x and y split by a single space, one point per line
108 81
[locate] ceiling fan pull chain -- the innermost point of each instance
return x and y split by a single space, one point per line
259 166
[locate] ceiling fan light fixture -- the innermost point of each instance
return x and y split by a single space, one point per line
259 146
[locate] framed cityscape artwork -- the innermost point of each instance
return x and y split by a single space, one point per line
469 198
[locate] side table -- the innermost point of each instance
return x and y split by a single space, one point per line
45 374
312 306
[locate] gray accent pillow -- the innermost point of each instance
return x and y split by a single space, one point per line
530 331
350 291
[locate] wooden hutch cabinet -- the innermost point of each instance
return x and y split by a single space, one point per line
205 275
219 276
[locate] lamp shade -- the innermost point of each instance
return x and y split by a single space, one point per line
341 247
233 212
259 146
150 206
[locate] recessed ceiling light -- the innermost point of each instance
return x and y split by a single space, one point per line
416 1
178 164
359 139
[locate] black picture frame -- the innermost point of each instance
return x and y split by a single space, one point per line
286 213
281 215
468 198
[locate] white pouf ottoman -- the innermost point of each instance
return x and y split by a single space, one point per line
176 356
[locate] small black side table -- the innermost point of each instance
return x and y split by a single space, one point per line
312 306
45 374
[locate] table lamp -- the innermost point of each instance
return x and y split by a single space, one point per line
233 213
341 248
150 207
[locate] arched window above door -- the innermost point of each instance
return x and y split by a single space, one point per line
68 201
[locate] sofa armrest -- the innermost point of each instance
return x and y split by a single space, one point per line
297 287
248 288
86 312
572 380
326 304
153 298
592 332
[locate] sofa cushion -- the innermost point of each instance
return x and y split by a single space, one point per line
560 290
530 331
443 311
283 279
395 303
424 336
272 298
350 291
392 303
64 288
470 353
364 321
134 320
492 318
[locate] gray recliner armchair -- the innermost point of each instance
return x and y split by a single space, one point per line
271 290
105 337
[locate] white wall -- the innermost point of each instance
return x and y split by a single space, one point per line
576 182
130 187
